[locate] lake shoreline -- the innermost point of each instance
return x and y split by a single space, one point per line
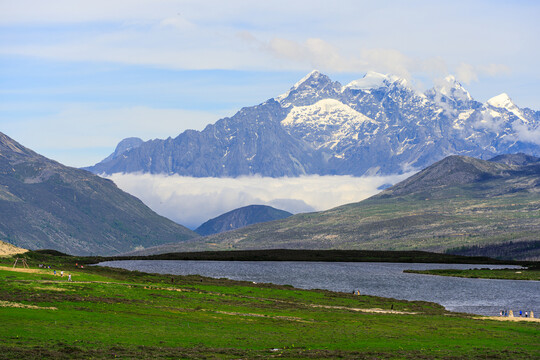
148 315
325 256
384 279
498 274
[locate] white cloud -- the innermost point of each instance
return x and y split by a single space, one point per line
466 73
526 134
187 35
192 201
489 119
316 53
389 61
321 54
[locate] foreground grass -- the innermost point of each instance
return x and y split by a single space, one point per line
507 274
108 313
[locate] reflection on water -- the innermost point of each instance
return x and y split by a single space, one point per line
478 296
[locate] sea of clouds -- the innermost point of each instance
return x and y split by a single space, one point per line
191 201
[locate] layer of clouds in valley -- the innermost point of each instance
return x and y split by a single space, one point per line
191 201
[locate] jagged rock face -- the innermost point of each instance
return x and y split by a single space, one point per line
312 88
251 142
46 205
123 146
375 125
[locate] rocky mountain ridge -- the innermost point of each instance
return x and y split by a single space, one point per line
46 205
375 125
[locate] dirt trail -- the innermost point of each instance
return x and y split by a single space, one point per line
372 310
19 268
508 318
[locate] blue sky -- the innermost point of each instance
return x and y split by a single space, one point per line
78 76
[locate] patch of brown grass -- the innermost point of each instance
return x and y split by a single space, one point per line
7 249
25 270
24 306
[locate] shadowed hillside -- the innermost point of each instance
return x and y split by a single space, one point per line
238 218
44 204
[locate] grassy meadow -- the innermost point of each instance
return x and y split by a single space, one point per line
503 274
108 313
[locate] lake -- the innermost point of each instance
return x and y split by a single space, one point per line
477 296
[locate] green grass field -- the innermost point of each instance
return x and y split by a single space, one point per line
506 274
112 313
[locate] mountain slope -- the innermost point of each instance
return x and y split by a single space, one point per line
251 142
44 204
485 203
375 125
238 218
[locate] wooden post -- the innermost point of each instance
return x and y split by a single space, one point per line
23 261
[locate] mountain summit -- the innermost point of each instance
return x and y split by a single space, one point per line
238 218
374 80
378 124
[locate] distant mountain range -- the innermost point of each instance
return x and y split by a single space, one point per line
46 205
375 125
238 218
455 203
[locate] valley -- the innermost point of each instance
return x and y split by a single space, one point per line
269 180
457 202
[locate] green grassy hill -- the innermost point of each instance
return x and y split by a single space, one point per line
456 202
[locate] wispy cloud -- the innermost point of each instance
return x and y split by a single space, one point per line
526 134
192 201
468 73
187 35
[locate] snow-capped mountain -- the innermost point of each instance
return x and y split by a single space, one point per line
451 95
378 124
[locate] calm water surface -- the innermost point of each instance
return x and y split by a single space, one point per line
477 296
